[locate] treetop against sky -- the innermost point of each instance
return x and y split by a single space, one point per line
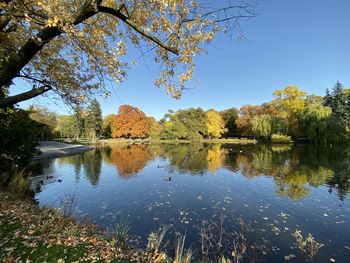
302 43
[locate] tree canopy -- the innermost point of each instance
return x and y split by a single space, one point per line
130 122
72 47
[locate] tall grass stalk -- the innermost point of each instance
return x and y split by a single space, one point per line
122 229
182 256
155 239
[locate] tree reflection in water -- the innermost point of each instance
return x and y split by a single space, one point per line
294 169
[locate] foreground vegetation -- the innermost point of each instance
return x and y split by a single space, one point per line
31 234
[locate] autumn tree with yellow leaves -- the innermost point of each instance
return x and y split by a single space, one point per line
72 47
215 124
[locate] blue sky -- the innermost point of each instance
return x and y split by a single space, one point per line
291 42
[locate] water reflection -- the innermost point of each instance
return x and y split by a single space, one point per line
275 189
295 170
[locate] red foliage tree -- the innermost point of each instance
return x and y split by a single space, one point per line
130 122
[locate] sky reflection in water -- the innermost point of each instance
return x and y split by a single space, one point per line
274 190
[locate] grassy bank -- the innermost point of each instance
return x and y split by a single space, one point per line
30 234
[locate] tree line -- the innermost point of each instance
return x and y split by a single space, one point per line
292 112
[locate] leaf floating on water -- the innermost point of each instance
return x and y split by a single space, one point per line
289 257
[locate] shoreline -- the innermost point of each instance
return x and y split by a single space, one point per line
149 141
54 149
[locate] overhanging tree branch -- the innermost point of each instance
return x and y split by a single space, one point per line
11 100
129 22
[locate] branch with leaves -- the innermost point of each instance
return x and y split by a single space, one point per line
77 45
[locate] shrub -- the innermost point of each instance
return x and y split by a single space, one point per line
19 184
18 139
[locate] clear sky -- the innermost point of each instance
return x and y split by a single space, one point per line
298 42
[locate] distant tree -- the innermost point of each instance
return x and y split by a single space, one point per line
230 116
68 126
106 126
130 122
262 125
314 122
154 128
79 116
215 124
172 127
290 102
93 120
184 124
246 114
43 115
339 100
195 122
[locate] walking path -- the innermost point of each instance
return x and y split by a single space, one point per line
52 149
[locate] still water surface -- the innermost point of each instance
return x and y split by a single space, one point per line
218 195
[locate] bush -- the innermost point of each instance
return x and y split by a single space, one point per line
19 184
280 138
18 139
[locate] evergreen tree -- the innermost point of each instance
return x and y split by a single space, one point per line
93 120
339 100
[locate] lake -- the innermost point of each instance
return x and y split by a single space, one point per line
248 199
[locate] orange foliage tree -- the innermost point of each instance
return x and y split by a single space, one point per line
130 122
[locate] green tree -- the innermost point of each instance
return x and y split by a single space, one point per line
290 102
106 126
339 100
93 120
79 116
230 116
314 122
43 115
18 139
195 122
172 128
68 126
262 126
154 128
